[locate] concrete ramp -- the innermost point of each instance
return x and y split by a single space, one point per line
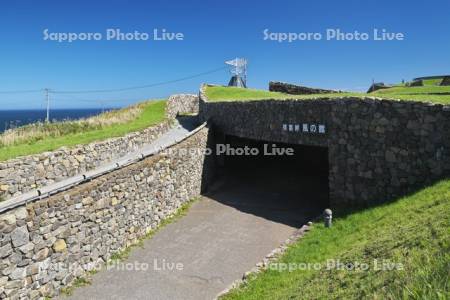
254 206
215 244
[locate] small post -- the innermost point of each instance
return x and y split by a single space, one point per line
327 217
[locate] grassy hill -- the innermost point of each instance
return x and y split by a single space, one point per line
41 137
415 90
435 94
430 93
432 81
224 93
412 232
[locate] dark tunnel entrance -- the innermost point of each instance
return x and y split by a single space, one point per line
289 189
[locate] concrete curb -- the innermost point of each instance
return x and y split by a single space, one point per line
269 258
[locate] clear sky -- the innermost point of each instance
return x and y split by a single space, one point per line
214 31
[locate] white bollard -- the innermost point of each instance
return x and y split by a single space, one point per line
327 217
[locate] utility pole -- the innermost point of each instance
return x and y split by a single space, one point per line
102 105
47 97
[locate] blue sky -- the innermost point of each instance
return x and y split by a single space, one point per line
214 31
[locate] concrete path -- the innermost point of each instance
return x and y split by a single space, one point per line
244 217
222 236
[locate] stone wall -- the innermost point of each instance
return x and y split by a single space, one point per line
23 174
48 243
182 104
377 149
287 88
26 173
445 81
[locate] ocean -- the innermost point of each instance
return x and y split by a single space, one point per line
15 118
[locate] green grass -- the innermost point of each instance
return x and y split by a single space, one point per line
412 231
153 113
435 94
425 93
221 93
79 282
432 81
414 90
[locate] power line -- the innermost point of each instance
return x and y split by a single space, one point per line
21 91
83 99
48 91
115 90
100 100
141 86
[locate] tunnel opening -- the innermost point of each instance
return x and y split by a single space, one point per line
271 183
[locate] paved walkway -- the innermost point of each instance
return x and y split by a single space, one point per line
215 244
224 234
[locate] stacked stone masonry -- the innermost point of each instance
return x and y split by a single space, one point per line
288 88
46 244
377 149
182 104
23 174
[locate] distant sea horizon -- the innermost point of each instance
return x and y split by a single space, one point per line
13 118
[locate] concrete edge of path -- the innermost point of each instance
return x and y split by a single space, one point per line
273 256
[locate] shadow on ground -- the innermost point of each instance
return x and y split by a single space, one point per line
188 122
289 190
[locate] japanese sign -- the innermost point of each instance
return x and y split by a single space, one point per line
305 128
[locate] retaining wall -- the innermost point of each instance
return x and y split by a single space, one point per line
27 173
182 104
23 174
287 88
377 149
46 244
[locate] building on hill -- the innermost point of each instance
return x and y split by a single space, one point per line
378 86
416 82
237 81
445 81
431 77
